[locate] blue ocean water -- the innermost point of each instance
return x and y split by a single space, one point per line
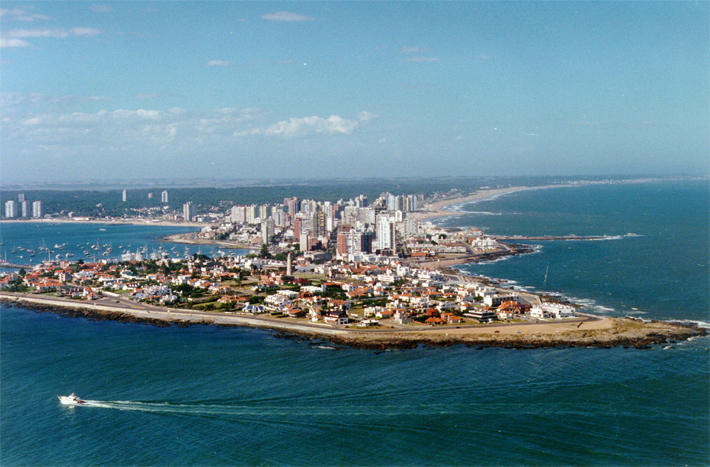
209 395
656 264
76 240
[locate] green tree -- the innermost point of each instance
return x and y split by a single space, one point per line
264 252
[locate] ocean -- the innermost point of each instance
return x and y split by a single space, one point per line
208 395
33 242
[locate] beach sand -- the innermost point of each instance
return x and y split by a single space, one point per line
438 208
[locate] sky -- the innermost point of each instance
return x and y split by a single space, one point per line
281 90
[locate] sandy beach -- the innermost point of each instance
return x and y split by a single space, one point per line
438 208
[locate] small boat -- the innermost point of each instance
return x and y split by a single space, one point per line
71 399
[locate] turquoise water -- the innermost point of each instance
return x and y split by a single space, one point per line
228 396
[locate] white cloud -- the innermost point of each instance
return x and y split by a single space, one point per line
304 126
217 63
7 43
283 16
12 98
62 143
54 33
21 15
84 31
126 129
101 8
366 116
412 50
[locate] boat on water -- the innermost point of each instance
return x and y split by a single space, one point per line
71 399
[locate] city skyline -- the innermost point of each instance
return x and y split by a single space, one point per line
350 90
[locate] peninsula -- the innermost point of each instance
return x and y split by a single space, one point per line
359 273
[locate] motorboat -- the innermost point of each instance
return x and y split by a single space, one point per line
71 399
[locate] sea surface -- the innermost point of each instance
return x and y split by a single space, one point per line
30 243
208 395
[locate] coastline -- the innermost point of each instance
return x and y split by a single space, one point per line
180 238
437 209
109 222
588 331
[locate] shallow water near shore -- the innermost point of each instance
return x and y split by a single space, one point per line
208 395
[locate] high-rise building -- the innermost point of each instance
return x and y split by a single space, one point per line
303 242
37 209
10 209
239 214
150 195
188 211
294 206
391 202
297 221
164 196
411 227
319 224
367 216
309 206
279 217
21 197
264 211
385 233
410 203
123 196
361 201
24 209
267 230
351 241
252 214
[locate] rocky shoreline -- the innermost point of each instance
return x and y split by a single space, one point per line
624 332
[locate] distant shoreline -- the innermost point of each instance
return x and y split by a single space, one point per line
588 331
180 238
434 209
108 222
437 209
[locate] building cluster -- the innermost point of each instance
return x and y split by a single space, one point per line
22 208
381 292
349 228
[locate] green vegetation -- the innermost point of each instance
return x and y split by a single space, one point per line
19 287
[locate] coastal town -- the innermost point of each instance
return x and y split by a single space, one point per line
351 263
352 267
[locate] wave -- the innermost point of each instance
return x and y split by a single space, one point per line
700 324
605 238
487 213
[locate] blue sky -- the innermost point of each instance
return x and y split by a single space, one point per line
107 90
